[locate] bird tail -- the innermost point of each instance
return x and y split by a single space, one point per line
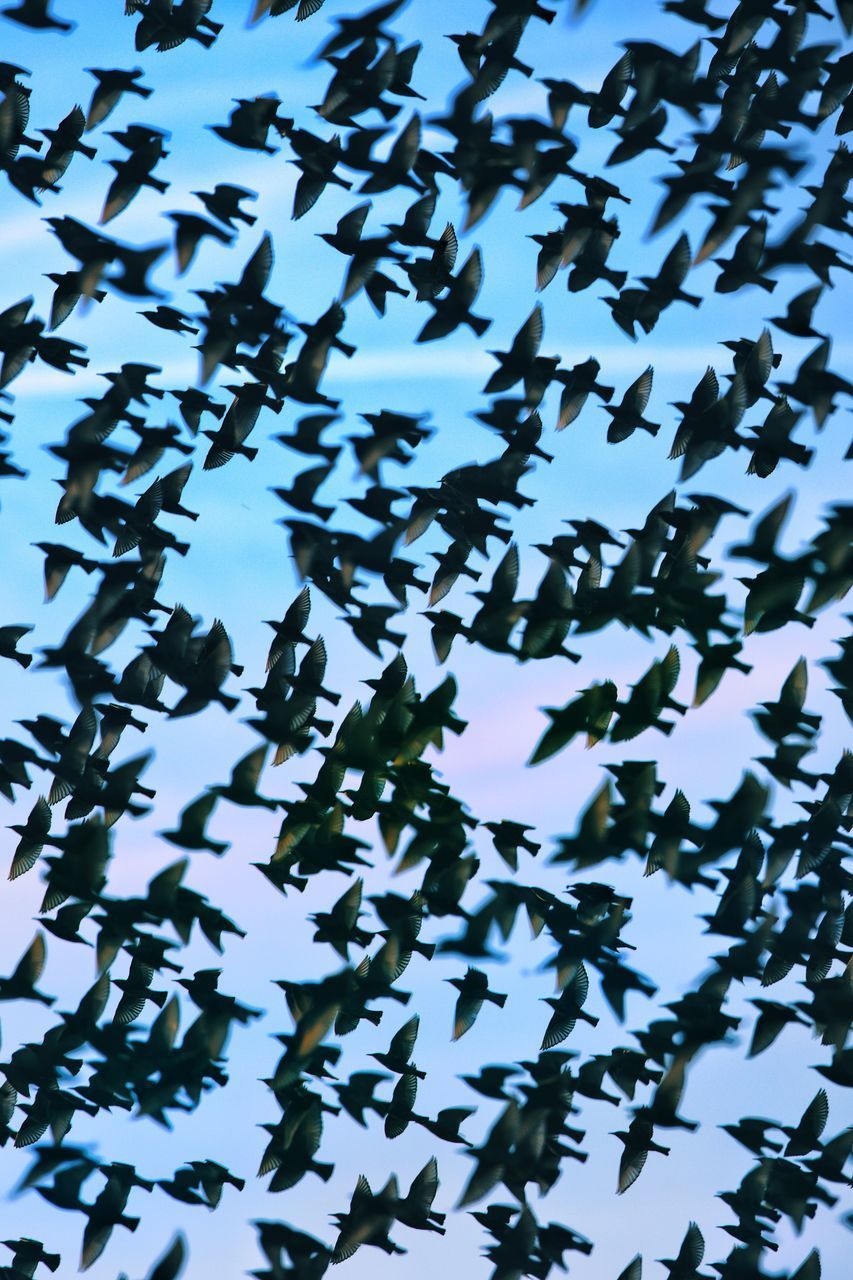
479 325
497 998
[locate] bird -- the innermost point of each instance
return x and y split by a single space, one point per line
250 123
627 416
637 1141
224 203
473 991
454 308
568 1007
21 983
590 713
10 637
805 1135
111 87
32 835
690 1254
397 1057
190 832
38 15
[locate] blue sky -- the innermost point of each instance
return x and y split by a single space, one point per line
239 569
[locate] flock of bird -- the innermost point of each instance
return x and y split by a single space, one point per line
755 90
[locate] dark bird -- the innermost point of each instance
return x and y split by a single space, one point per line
37 14
805 1135
751 1132
107 1211
27 1255
146 150
685 1266
339 926
454 308
64 141
798 318
357 1094
32 837
239 421
190 833
649 697
473 991
112 85
645 306
250 123
190 230
21 983
243 787
509 837
10 638
446 1124
368 1221
167 24
579 383
590 713
397 1058
170 318
568 1007
627 416
194 404
745 265
67 294
523 363
637 1141
224 202
773 1018
415 1208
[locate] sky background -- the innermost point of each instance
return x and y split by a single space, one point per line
239 569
